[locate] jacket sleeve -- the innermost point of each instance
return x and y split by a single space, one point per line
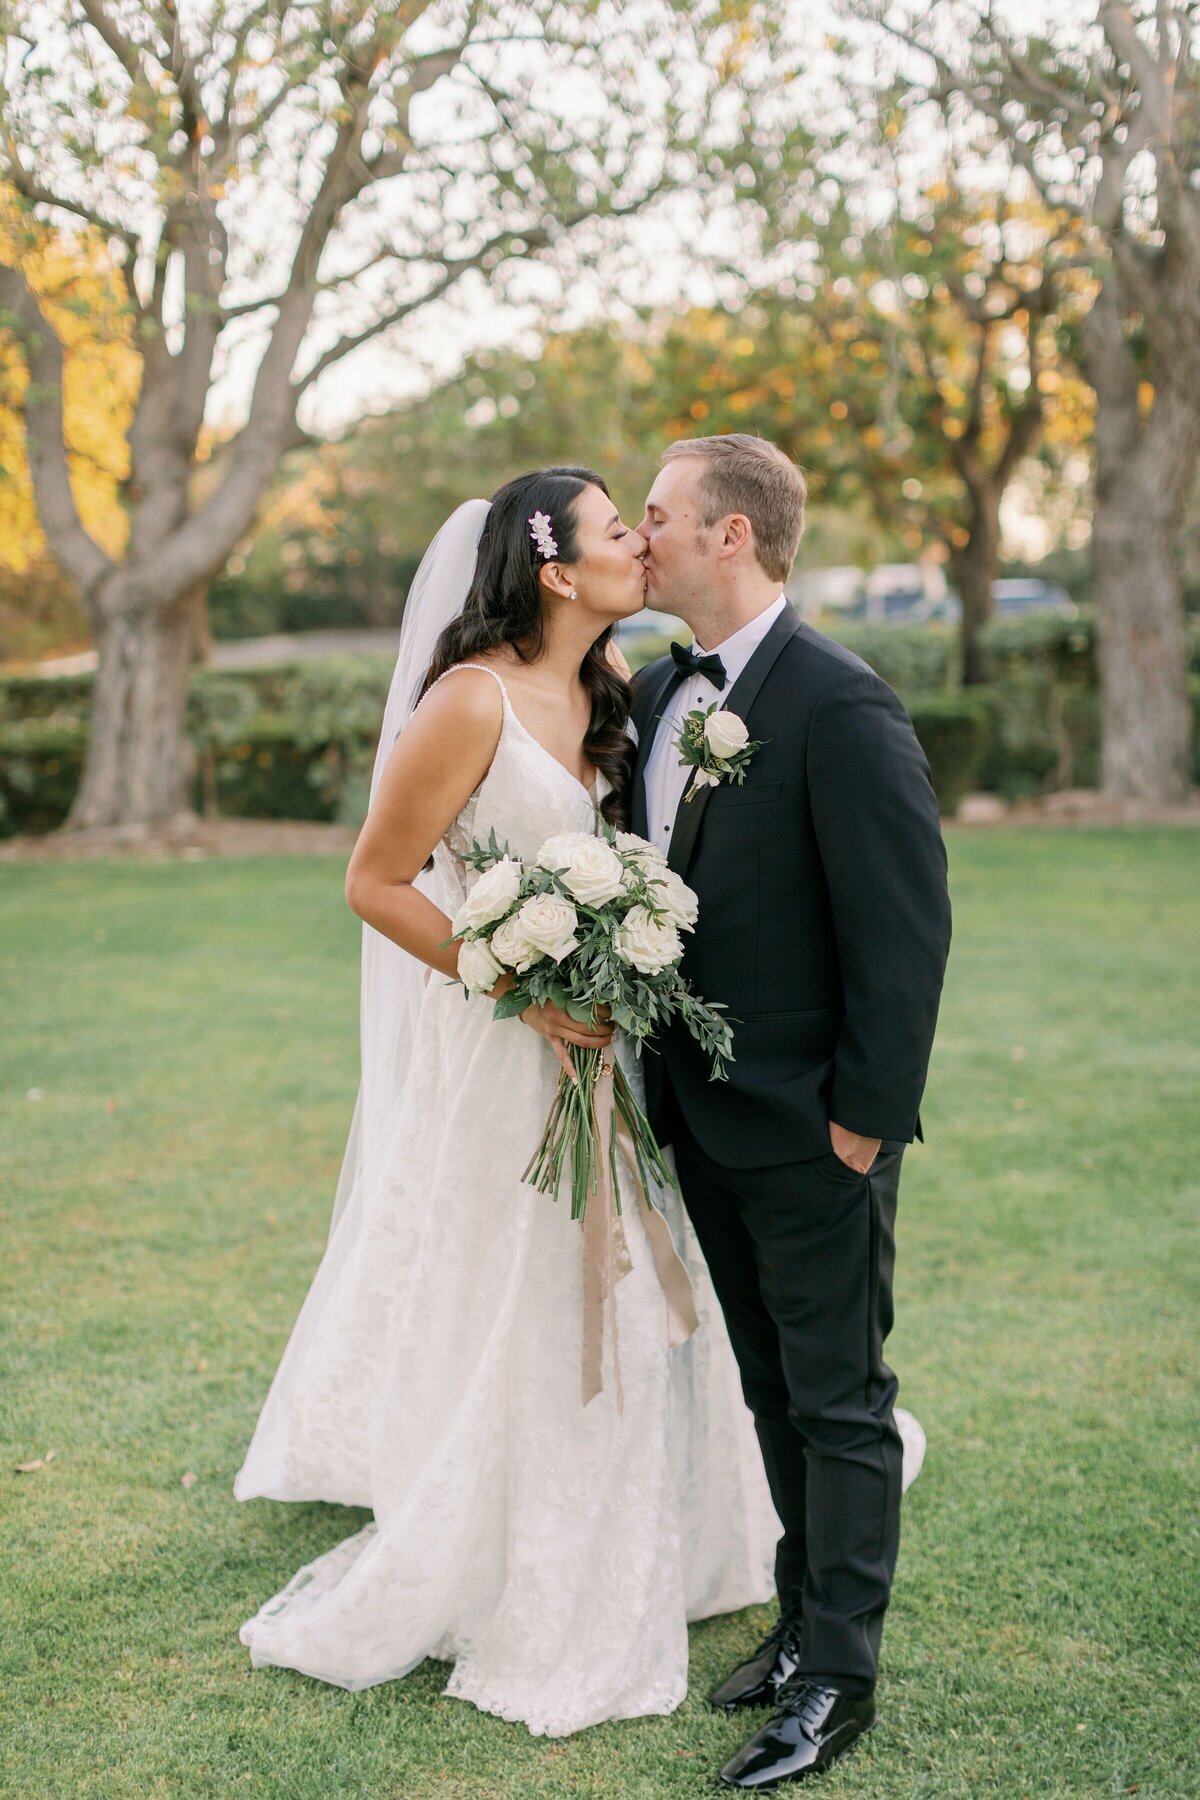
876 822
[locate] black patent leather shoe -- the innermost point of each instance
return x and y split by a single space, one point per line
813 1728
757 1681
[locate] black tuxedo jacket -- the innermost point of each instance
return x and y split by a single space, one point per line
824 915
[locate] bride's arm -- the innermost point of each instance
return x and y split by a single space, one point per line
438 761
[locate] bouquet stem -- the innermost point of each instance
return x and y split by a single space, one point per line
570 1141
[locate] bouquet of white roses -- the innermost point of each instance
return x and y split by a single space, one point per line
593 921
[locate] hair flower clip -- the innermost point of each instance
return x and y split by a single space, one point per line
541 534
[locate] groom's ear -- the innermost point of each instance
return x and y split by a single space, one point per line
736 533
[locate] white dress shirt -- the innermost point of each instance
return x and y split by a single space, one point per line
665 776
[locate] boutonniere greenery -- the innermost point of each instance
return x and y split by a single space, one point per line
717 745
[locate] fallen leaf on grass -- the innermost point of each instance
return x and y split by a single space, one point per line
40 1463
189 1480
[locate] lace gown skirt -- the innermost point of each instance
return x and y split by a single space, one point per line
553 1551
536 1541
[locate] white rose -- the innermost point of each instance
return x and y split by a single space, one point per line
705 778
647 945
647 855
675 899
725 733
490 898
513 948
478 969
548 922
558 850
590 869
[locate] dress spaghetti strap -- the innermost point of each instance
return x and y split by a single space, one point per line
487 669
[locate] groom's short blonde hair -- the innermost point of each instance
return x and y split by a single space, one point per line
748 475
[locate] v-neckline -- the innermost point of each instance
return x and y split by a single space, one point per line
588 793
591 795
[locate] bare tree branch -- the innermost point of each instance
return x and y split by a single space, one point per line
495 249
33 191
105 26
183 70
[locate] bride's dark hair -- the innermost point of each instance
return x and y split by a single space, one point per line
504 606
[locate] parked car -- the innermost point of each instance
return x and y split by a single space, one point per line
898 594
836 589
1014 597
1028 595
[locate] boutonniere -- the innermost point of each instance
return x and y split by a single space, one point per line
717 745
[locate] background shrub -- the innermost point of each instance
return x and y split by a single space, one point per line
953 730
297 740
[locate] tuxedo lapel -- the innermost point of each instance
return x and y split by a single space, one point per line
739 700
646 715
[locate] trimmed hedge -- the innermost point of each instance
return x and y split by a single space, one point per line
297 742
272 765
914 659
953 732
40 765
291 742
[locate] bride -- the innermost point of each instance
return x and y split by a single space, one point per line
553 1551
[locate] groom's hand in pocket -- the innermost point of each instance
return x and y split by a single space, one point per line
858 1153
561 1029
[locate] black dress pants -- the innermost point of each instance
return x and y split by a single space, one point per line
802 1258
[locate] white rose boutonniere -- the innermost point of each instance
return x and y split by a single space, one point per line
717 745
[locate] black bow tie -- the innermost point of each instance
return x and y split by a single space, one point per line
710 666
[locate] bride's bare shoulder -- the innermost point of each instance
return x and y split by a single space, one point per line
463 710
470 689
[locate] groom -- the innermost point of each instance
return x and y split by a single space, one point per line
824 926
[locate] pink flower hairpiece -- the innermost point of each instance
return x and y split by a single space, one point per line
541 534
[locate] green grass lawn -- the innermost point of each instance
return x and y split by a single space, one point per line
191 1030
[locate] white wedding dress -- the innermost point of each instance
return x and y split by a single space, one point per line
554 1552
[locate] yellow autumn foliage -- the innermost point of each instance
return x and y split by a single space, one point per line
83 300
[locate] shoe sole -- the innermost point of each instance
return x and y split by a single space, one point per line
763 1787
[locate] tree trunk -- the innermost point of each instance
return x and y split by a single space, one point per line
975 568
1144 714
139 764
1143 470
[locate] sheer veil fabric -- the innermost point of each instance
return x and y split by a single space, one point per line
392 981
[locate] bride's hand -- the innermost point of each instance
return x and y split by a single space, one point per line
561 1029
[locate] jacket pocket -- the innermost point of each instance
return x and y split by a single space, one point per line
752 793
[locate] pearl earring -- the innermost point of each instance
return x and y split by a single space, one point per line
572 595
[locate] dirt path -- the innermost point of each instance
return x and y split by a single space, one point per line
194 839
188 840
